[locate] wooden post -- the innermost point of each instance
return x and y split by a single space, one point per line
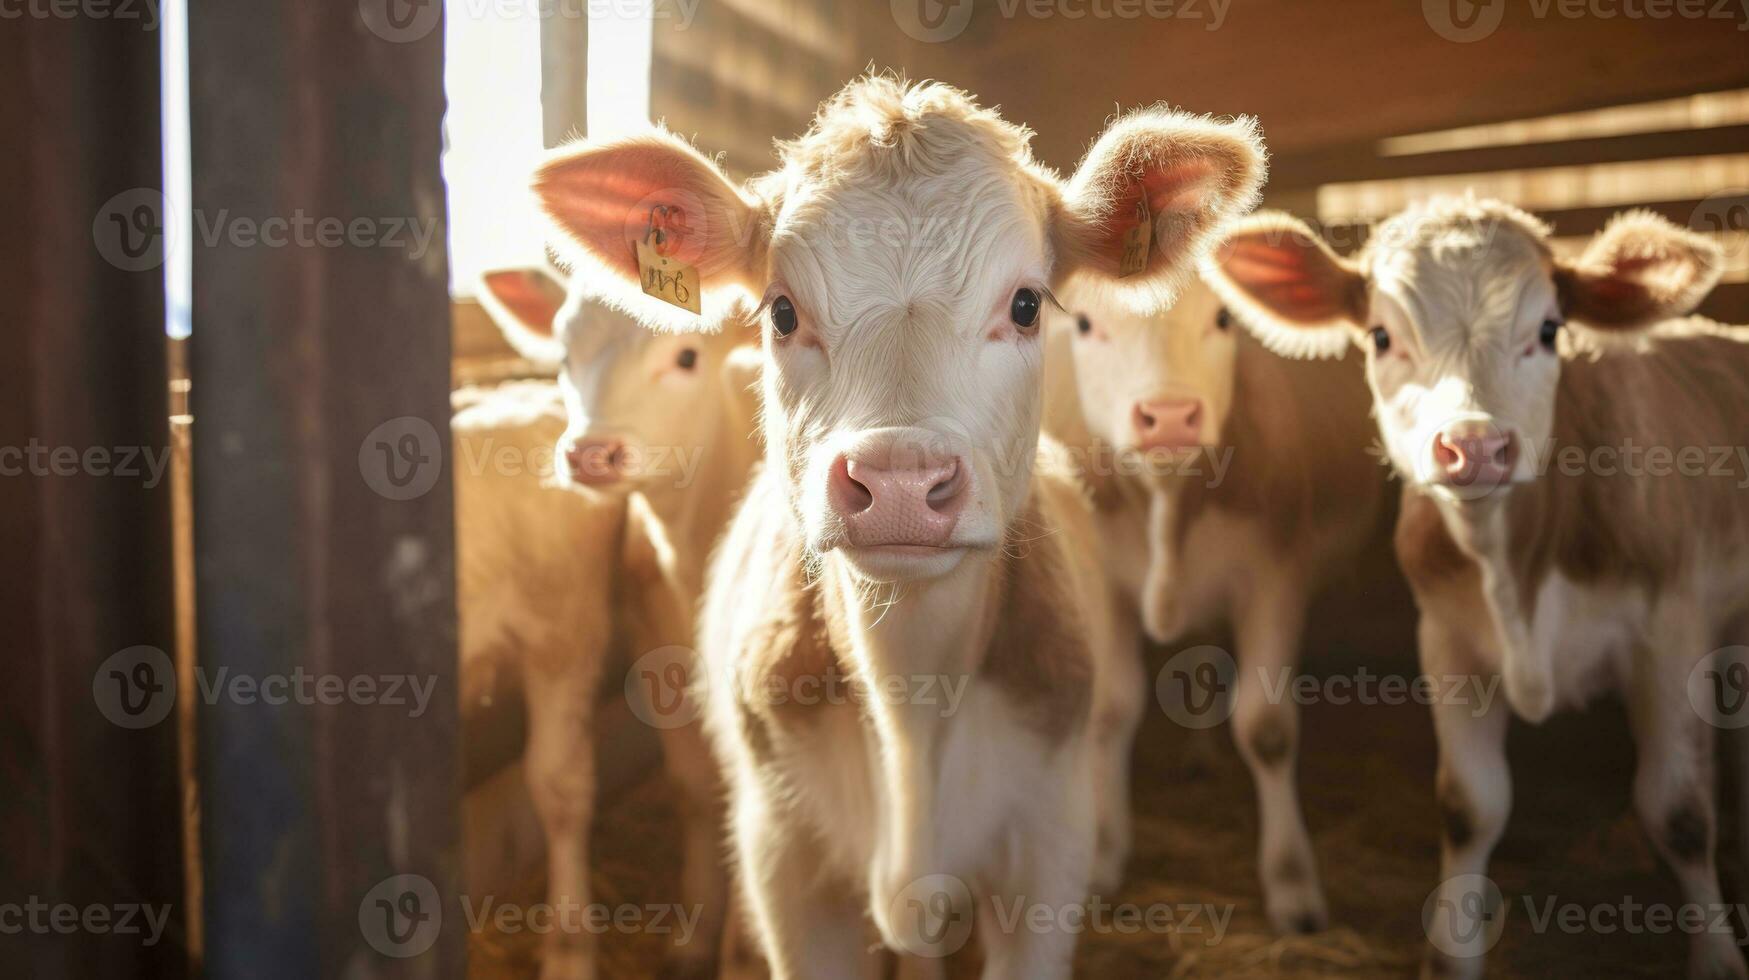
323 509
88 761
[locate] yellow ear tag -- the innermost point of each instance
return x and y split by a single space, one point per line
667 279
1137 240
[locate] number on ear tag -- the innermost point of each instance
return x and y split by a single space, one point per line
1137 240
667 279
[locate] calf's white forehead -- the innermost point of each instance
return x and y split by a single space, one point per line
954 240
1463 279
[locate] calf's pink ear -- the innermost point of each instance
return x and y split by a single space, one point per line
603 198
1188 174
1638 271
1287 286
524 301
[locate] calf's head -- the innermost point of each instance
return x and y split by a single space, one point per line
1461 308
1154 385
641 407
901 256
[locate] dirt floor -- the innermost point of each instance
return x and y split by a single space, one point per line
1366 776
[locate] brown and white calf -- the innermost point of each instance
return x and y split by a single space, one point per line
1499 374
899 541
1226 500
660 427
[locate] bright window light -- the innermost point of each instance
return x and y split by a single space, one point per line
492 136
618 95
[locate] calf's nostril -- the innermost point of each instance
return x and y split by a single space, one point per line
942 495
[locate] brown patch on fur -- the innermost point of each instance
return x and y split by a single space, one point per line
1454 813
1430 558
1299 433
1038 651
1269 739
790 650
1291 870
1682 386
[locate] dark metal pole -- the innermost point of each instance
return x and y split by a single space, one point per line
323 510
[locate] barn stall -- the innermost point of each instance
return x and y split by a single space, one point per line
265 506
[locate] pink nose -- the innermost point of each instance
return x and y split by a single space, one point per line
884 503
1474 454
1167 423
595 461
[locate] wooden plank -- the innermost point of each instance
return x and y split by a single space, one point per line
1729 303
1362 162
1315 74
324 513
1724 212
89 806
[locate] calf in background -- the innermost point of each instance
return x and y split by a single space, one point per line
1233 485
656 435
1499 374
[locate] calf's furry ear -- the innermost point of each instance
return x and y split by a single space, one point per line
524 302
603 198
1194 173
1639 270
1287 287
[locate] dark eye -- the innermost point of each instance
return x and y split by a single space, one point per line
1024 310
1550 330
1223 319
783 316
1381 340
1082 324
687 360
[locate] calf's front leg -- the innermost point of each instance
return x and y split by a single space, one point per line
1474 788
1268 630
561 693
1673 783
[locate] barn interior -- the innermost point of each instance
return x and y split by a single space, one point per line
262 549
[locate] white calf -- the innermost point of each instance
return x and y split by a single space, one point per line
668 419
1509 386
1226 500
906 630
